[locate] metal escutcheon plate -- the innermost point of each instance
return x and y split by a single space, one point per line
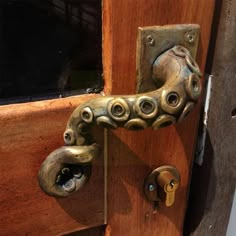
151 187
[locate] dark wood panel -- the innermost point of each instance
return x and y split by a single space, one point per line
214 183
131 156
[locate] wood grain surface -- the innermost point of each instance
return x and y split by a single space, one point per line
132 155
29 132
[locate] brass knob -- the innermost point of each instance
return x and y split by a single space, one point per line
161 185
179 76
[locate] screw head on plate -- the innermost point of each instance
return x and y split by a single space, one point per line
190 37
150 40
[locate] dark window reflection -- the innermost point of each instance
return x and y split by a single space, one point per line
49 49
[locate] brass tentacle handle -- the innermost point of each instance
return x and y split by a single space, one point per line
178 77
60 174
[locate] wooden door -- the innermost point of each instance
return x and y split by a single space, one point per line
131 156
31 131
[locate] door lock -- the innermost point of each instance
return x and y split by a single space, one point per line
170 64
161 185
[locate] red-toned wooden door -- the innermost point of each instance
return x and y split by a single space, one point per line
131 156
114 194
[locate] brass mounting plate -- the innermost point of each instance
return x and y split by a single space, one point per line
153 41
151 181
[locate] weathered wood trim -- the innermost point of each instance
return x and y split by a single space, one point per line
213 184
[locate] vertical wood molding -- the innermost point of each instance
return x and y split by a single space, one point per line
107 45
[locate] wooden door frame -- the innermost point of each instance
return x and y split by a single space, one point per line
129 162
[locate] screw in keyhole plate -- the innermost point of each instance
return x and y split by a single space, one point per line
151 187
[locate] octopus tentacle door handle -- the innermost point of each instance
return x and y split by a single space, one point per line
179 76
61 173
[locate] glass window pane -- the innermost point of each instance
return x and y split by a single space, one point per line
49 49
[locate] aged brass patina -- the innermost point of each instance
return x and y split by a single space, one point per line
66 169
178 86
152 41
161 185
